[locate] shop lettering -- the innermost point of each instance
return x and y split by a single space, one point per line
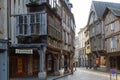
24 51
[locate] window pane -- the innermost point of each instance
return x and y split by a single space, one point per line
20 29
37 28
37 18
32 19
25 29
113 42
25 19
32 28
20 19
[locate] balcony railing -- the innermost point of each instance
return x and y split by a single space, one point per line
29 24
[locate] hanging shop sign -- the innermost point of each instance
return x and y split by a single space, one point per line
23 51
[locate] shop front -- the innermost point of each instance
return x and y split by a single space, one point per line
114 60
27 60
24 63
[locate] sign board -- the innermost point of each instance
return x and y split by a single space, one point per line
113 74
23 51
113 71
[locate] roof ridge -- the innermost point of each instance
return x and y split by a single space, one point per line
113 8
106 2
115 11
100 6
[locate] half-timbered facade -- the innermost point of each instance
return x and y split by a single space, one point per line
68 35
88 48
112 36
96 29
96 33
38 44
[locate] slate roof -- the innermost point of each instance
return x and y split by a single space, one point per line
101 6
115 11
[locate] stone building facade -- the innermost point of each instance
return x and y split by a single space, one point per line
4 37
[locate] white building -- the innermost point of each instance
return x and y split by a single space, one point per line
82 55
76 56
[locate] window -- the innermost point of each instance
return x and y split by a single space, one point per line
112 26
22 24
64 16
113 42
93 30
66 19
14 7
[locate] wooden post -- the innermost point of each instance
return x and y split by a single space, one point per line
42 73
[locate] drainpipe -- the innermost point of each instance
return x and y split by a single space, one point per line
8 26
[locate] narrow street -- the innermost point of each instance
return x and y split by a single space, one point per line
87 74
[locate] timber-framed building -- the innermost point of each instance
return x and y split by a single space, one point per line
42 38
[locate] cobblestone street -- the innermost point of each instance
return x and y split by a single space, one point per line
86 74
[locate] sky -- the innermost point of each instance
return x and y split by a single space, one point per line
81 10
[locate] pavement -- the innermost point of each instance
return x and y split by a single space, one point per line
90 74
35 78
80 74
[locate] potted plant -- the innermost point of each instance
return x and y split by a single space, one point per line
54 9
34 36
33 6
34 2
21 38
